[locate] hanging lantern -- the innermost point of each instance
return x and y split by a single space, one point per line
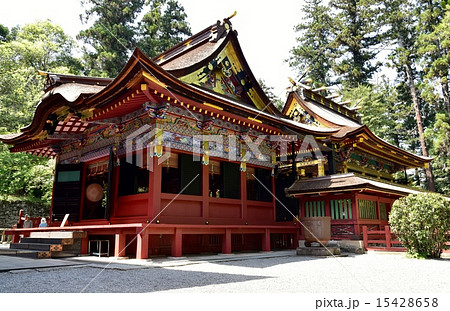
205 157
243 166
274 158
158 149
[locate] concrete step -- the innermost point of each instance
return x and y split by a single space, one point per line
37 247
47 241
59 234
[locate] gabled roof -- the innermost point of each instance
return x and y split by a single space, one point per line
347 182
214 59
69 108
325 111
308 106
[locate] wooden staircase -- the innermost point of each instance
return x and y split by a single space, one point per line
53 244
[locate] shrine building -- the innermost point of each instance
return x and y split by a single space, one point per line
185 153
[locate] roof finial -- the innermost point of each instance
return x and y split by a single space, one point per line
231 16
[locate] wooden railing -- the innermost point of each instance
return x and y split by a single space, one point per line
381 240
388 239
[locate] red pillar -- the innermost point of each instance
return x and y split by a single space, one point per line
119 245
365 237
205 191
387 233
244 196
266 240
15 238
142 245
327 207
355 213
177 243
226 242
84 245
297 238
154 202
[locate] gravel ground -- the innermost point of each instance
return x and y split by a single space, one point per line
290 274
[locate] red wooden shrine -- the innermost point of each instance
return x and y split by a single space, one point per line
185 153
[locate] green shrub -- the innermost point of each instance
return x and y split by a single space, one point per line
421 222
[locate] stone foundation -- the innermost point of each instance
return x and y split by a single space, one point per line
350 246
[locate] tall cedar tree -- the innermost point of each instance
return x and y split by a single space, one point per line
111 36
116 31
162 27
311 54
398 16
434 43
356 31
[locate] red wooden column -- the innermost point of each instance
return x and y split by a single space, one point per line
274 200
365 237
15 238
142 244
387 233
154 199
266 240
244 195
177 243
119 245
378 214
327 207
302 214
84 245
297 237
301 204
226 242
205 191
355 213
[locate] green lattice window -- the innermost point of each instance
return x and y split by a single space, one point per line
367 209
383 211
341 209
315 208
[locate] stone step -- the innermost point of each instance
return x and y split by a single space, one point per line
64 254
36 247
59 234
47 241
26 253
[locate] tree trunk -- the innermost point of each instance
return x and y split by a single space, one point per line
446 95
412 88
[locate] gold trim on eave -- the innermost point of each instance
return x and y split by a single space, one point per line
254 120
213 106
153 79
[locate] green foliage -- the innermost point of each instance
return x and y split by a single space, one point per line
26 176
4 32
439 139
356 29
312 52
162 27
38 46
116 30
382 111
421 222
433 44
111 36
